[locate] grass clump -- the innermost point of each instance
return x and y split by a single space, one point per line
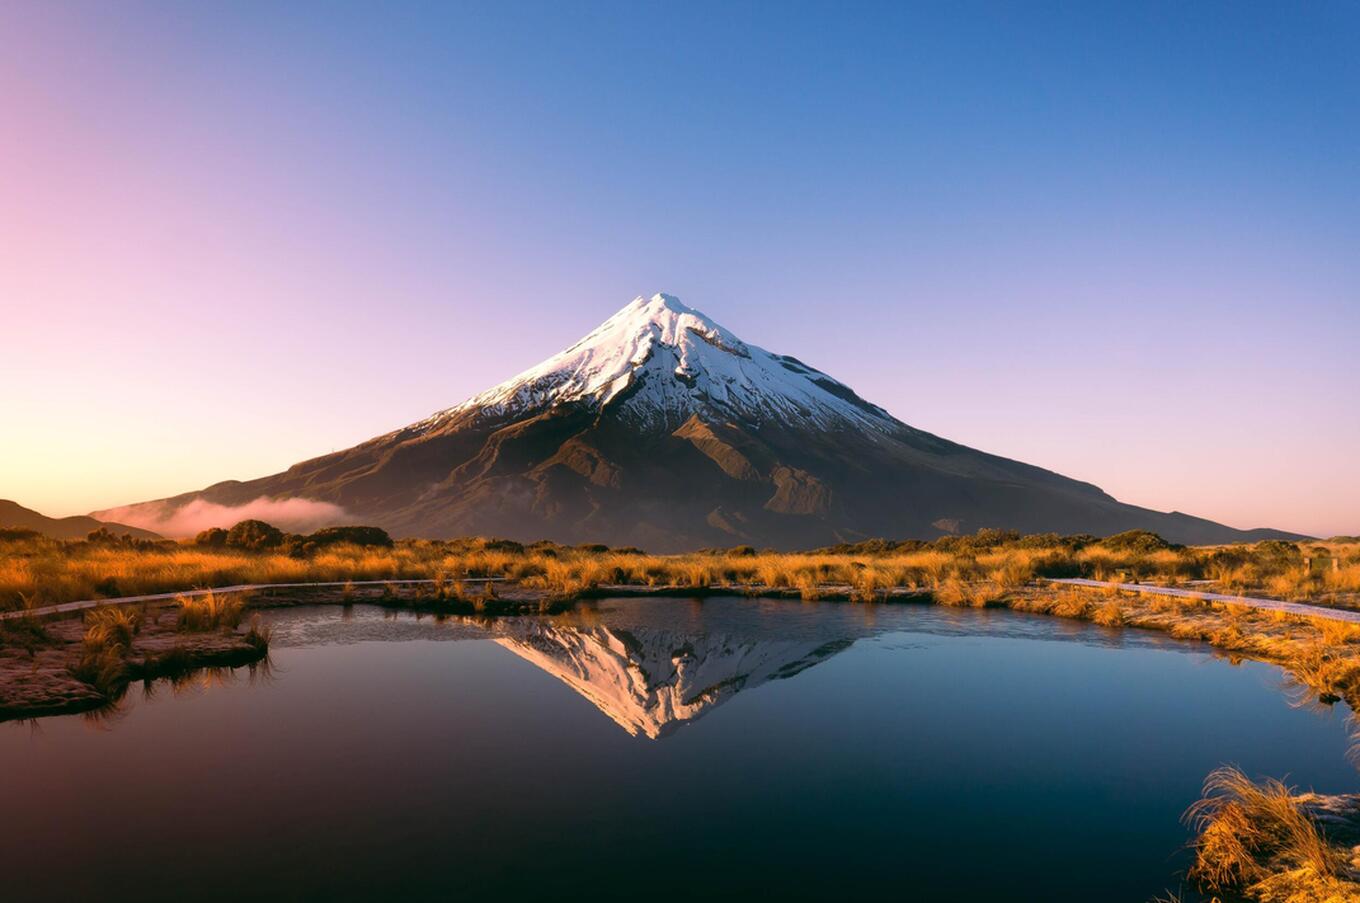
1109 614
1257 839
105 647
211 611
259 635
47 571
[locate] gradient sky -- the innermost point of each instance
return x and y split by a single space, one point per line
1118 241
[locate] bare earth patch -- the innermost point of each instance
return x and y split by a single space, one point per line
38 666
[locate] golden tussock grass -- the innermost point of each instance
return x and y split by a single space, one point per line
1250 835
46 571
1109 614
211 611
108 638
962 572
1257 838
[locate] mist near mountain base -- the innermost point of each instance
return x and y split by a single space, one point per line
295 514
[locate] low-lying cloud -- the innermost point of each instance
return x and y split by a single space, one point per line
295 515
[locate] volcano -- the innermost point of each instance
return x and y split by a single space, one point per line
662 429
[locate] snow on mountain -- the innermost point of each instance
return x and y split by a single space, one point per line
663 362
663 430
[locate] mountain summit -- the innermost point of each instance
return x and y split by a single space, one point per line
662 429
659 363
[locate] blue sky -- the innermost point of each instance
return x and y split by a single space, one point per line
1116 240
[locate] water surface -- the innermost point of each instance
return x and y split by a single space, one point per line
635 748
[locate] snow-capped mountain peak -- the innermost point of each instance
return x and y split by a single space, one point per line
663 430
661 362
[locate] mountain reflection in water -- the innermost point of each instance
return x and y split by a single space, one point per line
652 666
652 681
399 755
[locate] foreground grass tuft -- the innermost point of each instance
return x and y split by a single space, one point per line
105 646
211 611
1256 838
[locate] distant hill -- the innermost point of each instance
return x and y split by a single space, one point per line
12 515
664 430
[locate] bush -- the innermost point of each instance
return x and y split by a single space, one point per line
254 536
1280 550
983 540
211 611
866 547
1042 541
213 537
1141 541
359 536
503 545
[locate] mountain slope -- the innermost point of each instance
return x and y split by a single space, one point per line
13 515
664 430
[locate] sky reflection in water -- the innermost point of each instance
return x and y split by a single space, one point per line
726 747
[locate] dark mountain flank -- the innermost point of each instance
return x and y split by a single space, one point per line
663 430
16 516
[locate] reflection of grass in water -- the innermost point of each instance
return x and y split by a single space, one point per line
106 659
193 678
107 714
175 669
1319 655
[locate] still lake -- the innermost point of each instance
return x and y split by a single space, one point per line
728 748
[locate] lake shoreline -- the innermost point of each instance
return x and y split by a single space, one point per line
41 672
38 656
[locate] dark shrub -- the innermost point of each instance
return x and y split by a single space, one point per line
213 537
296 546
872 547
1140 541
359 536
1278 549
254 535
503 545
869 547
983 540
1041 541
1233 556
